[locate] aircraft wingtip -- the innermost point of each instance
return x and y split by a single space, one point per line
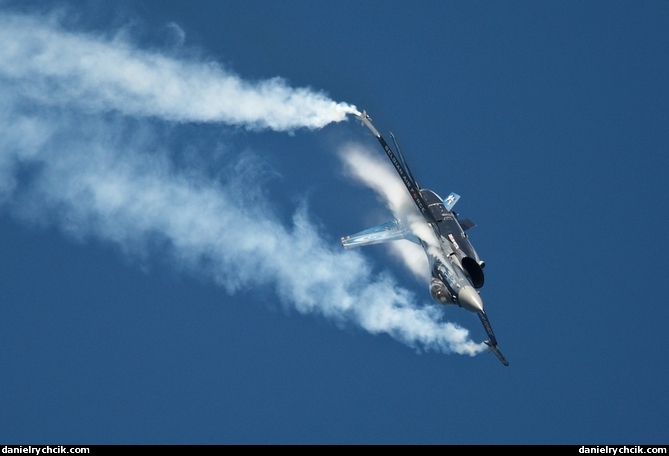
495 349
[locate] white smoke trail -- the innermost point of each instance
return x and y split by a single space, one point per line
101 176
89 71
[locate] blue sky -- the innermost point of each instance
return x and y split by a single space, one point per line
170 267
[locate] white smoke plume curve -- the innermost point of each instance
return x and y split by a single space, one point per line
103 75
100 176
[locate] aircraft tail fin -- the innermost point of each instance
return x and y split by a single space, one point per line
450 201
389 231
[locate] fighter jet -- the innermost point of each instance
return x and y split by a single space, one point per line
456 269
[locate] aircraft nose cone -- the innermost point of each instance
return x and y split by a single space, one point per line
470 299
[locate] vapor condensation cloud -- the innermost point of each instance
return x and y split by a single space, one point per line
63 162
371 170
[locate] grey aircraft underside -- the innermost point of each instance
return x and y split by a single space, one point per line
456 269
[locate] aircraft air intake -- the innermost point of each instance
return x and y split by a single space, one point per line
456 270
474 271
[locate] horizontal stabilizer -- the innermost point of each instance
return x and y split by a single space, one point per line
466 224
389 231
450 201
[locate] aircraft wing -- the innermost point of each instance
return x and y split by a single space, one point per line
389 231
495 350
492 340
401 167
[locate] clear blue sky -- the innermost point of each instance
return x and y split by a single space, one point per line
550 119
